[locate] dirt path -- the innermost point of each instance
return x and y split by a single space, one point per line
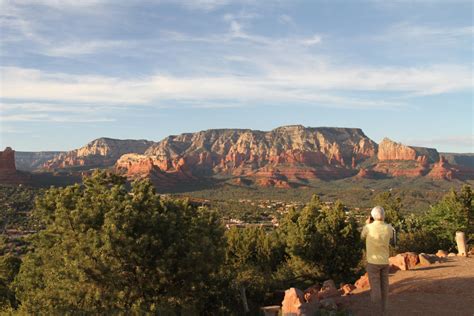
440 289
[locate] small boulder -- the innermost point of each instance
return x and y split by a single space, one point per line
311 294
293 301
442 254
411 258
451 254
399 261
363 282
426 259
347 289
328 290
393 268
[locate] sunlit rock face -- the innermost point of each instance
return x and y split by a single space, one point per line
102 152
285 155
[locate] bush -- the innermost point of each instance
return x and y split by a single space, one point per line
453 213
104 249
321 242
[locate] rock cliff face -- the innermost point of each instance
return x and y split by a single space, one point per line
8 172
280 157
99 153
288 156
7 160
31 161
442 170
390 150
397 160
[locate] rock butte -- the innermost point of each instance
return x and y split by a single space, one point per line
102 152
287 156
8 172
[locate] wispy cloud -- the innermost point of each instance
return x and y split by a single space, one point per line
316 39
312 84
430 35
51 118
77 48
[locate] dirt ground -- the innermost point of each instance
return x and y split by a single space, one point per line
445 288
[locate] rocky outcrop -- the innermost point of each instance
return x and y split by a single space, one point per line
8 172
99 153
390 150
32 161
395 159
442 170
286 157
294 303
462 160
283 157
7 160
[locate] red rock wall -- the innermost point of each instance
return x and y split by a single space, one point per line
7 160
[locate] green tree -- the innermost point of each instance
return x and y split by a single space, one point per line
451 214
321 242
106 249
9 267
392 207
252 256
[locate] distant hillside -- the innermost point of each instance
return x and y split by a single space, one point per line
466 160
30 160
99 153
288 156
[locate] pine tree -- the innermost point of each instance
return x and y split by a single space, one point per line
105 249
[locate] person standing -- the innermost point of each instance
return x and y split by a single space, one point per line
378 235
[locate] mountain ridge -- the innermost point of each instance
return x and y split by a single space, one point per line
286 156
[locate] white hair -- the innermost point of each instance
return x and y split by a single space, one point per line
378 213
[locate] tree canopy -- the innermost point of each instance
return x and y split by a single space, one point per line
103 248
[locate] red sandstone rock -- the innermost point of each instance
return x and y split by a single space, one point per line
399 261
347 289
293 301
442 253
363 282
393 268
390 150
102 152
411 259
7 160
294 304
8 172
290 154
426 259
442 170
311 294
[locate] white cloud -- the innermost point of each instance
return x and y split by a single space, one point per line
408 34
77 48
293 84
205 5
51 118
316 39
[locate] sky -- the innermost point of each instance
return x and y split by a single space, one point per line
72 71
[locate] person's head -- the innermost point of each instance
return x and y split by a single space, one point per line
378 213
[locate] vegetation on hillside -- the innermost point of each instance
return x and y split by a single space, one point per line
105 247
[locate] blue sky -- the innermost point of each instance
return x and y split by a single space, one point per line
72 71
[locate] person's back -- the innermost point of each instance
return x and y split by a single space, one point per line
378 235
